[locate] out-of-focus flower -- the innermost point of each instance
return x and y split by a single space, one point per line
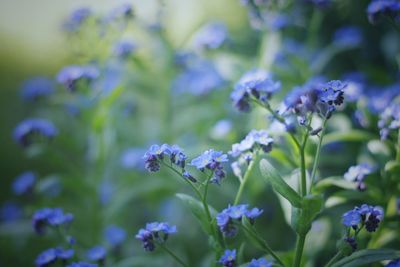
114 235
28 129
46 258
348 36
221 129
378 8
131 158
36 88
45 217
82 264
389 119
124 48
70 75
158 231
124 11
357 174
228 259
97 253
253 140
64 254
76 19
255 84
261 262
10 212
393 263
211 35
24 183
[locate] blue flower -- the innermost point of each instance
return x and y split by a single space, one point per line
261 262
97 253
389 119
253 140
24 183
46 258
157 153
57 217
70 75
393 263
351 218
211 36
256 84
211 160
50 217
124 48
124 11
369 215
82 264
378 8
131 158
352 242
228 259
114 235
76 19
152 232
348 36
36 88
10 212
357 174
64 254
28 129
221 129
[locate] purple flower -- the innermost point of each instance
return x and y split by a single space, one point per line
261 262
351 218
76 19
348 36
211 36
82 264
152 232
378 8
36 88
64 254
124 48
114 235
211 160
369 215
157 153
46 258
50 217
256 84
97 253
24 183
132 158
357 174
28 129
393 263
10 212
70 75
228 259
124 11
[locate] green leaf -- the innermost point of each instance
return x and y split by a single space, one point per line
196 207
367 256
272 176
303 218
393 167
348 136
333 181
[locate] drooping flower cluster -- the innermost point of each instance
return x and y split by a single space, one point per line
155 232
36 88
48 217
389 119
365 215
29 129
211 160
255 85
50 256
69 76
261 262
228 259
24 183
226 218
378 8
357 174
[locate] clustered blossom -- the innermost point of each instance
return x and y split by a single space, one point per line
124 48
379 8
254 85
253 140
28 129
70 75
36 88
315 96
226 218
97 253
262 262
155 232
50 256
228 259
48 217
211 36
24 183
211 160
357 174
365 215
389 119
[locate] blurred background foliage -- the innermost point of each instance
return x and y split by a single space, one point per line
93 168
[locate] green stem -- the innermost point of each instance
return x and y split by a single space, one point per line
263 243
173 255
334 259
245 178
398 147
299 250
303 187
317 155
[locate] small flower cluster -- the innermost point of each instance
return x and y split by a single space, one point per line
262 262
124 48
228 259
225 219
50 256
114 235
389 119
97 253
24 183
76 19
36 88
70 75
28 129
211 160
379 8
357 174
151 233
254 85
365 215
253 140
48 217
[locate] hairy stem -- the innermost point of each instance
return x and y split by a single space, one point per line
317 155
248 173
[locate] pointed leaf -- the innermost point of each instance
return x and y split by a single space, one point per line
367 256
